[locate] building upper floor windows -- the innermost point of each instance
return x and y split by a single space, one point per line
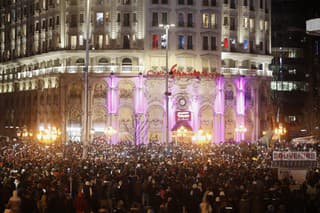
205 20
159 1
190 2
181 2
155 20
99 18
126 19
251 5
245 3
233 4
126 2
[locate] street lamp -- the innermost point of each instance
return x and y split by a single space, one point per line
167 93
181 132
280 131
241 130
48 135
201 137
85 141
110 131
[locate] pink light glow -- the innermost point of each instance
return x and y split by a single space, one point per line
240 97
112 95
139 100
219 102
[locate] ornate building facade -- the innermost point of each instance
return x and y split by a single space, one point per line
219 51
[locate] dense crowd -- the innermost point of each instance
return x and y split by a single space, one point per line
150 178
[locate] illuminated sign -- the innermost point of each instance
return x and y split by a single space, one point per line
183 116
294 156
175 73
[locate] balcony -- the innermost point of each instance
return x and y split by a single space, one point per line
245 72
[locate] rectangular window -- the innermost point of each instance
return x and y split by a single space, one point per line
261 45
190 20
205 20
189 43
118 17
225 21
251 5
213 43
233 4
155 1
81 18
213 21
155 41
99 18
73 21
181 42
73 42
251 25
57 20
190 2
205 43
245 3
261 4
246 22
205 2
164 18
164 1
213 3
155 19
126 19
232 23
180 2
261 23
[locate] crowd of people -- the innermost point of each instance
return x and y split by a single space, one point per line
150 178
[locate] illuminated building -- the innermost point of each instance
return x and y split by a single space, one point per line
42 60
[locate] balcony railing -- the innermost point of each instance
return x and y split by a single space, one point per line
245 72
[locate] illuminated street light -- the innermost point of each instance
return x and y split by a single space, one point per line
202 137
182 132
240 131
109 132
279 131
48 135
167 27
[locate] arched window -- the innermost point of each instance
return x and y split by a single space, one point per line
126 65
103 61
80 61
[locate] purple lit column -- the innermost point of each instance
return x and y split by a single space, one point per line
195 114
219 111
113 104
240 109
140 104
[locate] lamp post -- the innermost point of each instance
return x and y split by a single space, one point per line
181 132
167 94
85 139
280 131
241 130
202 137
